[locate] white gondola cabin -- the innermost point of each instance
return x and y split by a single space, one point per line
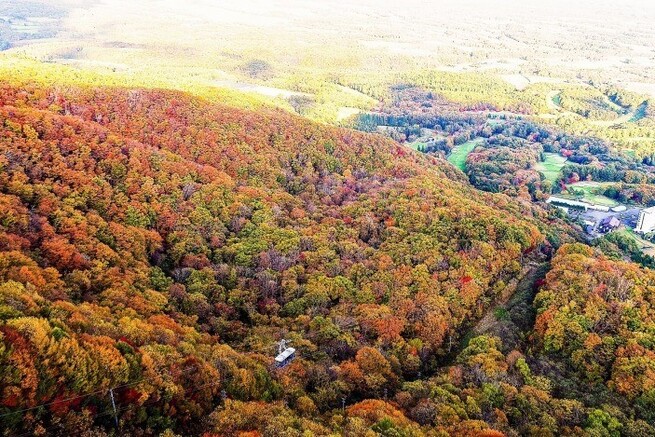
285 354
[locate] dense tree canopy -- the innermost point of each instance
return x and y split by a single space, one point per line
159 244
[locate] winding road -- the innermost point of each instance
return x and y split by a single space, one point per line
630 117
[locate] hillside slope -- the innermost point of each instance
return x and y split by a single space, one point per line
160 244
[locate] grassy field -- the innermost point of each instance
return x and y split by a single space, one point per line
415 144
639 113
551 166
426 136
588 191
459 153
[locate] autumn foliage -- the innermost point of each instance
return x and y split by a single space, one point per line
159 245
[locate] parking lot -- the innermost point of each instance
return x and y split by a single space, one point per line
628 217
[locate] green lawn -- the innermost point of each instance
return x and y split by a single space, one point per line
551 166
596 199
631 153
415 144
459 153
639 113
557 99
590 193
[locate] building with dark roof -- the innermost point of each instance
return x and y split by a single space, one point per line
608 224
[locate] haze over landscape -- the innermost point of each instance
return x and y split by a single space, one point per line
298 218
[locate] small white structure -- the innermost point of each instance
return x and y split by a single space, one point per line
285 354
574 203
619 208
577 204
646 220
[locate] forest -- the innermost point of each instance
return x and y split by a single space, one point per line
184 186
158 244
509 149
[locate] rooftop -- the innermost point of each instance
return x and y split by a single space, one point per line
610 221
285 354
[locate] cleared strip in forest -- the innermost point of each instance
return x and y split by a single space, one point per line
511 318
517 313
